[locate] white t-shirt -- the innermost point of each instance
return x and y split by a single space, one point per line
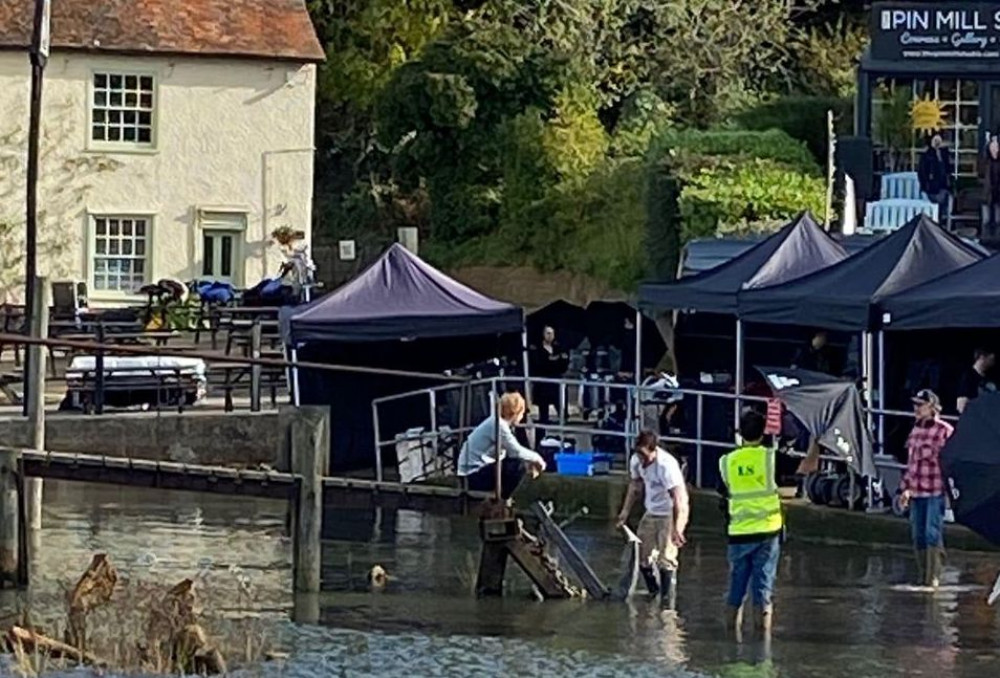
663 475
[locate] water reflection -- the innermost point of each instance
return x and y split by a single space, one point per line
840 611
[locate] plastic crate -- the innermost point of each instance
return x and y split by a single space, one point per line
583 464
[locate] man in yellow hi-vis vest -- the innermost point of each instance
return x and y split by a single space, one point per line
755 522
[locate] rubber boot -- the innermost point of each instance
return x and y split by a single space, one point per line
649 577
921 556
762 617
668 588
734 622
935 563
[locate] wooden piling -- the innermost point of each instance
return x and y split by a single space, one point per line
35 405
310 446
10 519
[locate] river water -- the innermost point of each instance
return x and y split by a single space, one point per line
840 610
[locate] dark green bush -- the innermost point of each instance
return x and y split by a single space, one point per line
771 144
803 118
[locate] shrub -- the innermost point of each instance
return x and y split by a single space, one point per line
772 144
803 118
722 196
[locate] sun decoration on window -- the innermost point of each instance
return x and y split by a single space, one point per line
927 115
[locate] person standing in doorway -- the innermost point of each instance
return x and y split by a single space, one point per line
656 474
973 382
755 523
817 356
989 172
922 487
935 174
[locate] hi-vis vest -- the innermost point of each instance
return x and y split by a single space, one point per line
754 505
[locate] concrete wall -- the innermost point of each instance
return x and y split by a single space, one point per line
239 439
229 135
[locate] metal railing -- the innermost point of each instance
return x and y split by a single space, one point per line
633 398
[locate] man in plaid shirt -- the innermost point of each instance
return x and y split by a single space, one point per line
923 486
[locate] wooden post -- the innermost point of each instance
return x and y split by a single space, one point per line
310 449
36 395
10 518
255 369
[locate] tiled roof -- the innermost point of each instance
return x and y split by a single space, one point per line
277 29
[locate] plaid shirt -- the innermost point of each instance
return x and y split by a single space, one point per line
923 477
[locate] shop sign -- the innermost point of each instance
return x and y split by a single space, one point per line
953 31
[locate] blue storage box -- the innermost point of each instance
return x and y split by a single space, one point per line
583 464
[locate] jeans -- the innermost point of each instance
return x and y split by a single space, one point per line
485 479
753 565
927 521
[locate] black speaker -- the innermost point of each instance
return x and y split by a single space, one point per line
854 156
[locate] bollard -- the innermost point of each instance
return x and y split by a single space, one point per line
310 436
10 519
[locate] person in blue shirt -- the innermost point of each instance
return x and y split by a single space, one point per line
477 460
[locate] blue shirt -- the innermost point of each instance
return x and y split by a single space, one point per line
479 449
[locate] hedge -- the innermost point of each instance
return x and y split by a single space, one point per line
803 118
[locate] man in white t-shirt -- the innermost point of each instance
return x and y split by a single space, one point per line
657 475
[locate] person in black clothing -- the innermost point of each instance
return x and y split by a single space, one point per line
818 356
989 171
935 174
973 381
549 361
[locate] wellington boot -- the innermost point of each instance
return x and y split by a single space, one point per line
935 564
649 577
734 623
921 557
668 589
762 618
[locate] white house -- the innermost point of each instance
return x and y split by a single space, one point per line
176 136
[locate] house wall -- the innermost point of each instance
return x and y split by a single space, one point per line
231 136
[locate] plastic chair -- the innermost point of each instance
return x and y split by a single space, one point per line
901 186
885 216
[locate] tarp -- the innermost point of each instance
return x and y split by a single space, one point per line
972 466
968 297
830 409
567 319
401 297
842 296
799 248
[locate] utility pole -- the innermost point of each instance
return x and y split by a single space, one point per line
40 39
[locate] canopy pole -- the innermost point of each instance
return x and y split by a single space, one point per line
881 392
739 374
867 365
295 378
637 410
498 448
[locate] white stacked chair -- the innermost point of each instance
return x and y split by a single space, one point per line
901 186
885 216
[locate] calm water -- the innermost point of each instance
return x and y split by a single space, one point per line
840 610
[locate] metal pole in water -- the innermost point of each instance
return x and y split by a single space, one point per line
36 396
10 518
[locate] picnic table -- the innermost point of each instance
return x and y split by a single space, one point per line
238 375
134 380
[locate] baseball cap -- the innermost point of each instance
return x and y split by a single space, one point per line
927 397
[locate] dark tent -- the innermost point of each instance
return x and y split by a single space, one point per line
968 297
568 320
612 324
830 409
401 297
841 297
972 466
706 253
400 313
799 248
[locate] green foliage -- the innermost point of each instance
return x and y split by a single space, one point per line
803 118
772 144
894 125
724 197
826 57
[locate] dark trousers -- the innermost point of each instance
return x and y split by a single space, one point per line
485 479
